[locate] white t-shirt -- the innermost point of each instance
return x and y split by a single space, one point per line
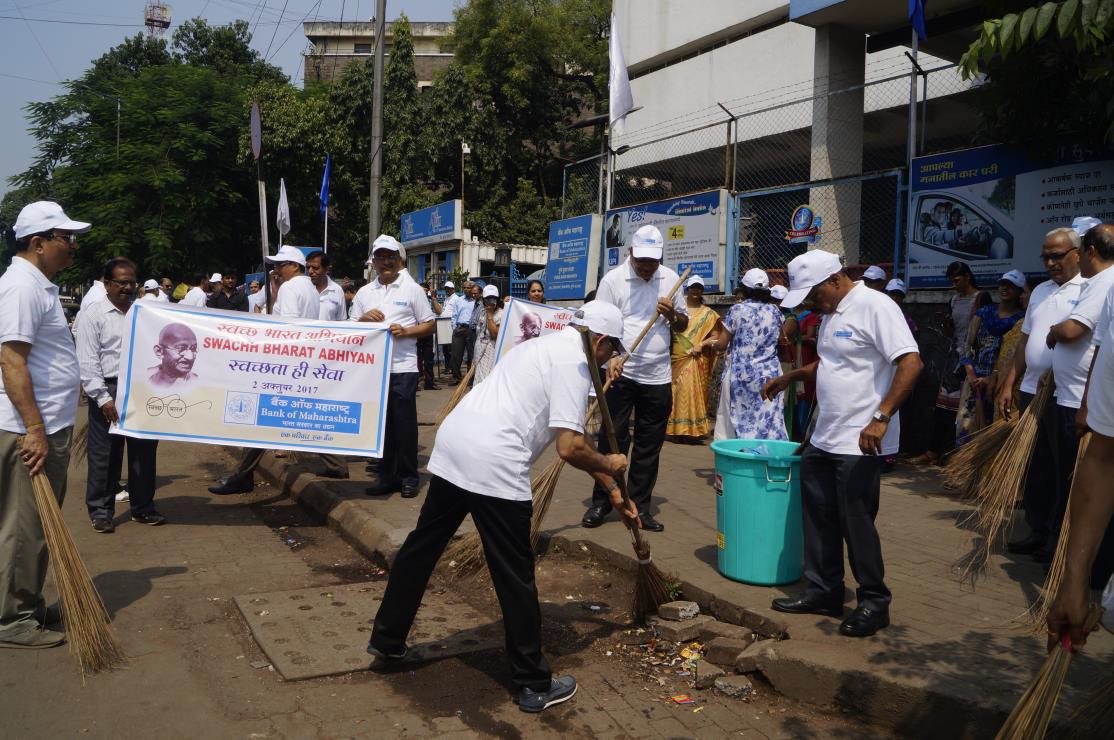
637 299
164 297
195 297
148 296
257 300
1049 304
1100 393
858 345
492 438
402 302
1072 360
298 299
333 307
30 312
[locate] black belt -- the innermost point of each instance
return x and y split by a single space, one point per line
110 380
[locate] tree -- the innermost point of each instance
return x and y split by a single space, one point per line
225 49
1051 74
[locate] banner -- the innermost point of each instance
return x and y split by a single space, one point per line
991 207
574 244
694 229
230 378
525 320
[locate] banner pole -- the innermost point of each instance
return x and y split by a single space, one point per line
326 249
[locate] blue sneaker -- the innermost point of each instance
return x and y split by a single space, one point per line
560 690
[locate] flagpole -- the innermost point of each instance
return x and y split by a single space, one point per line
326 250
912 152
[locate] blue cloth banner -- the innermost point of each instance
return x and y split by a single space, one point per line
325 186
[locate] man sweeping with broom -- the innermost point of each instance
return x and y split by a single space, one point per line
481 464
39 387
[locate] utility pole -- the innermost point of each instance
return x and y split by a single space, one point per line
373 215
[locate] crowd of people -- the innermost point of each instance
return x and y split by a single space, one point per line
828 359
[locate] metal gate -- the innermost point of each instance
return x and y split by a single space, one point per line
859 217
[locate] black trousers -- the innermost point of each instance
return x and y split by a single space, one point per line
245 469
400 443
504 529
840 502
425 353
1044 482
650 405
462 345
105 456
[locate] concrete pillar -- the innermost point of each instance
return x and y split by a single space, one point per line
837 136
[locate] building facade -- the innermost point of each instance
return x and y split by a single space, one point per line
333 45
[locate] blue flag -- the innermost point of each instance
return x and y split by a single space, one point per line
916 18
325 187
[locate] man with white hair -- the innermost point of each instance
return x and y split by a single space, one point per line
394 299
1050 303
639 288
39 385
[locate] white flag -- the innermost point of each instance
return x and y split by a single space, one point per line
282 220
621 100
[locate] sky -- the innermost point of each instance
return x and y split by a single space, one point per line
43 42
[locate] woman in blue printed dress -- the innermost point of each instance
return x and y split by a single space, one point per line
753 328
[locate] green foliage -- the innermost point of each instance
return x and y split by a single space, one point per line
1051 73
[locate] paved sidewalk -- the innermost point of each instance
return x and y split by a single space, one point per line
955 659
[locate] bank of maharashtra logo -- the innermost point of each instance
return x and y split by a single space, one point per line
804 226
239 407
407 226
435 220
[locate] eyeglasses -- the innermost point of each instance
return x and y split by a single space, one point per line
1056 256
124 283
69 239
181 348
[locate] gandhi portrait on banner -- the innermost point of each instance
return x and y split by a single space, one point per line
176 352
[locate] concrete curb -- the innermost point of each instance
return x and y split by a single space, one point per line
809 671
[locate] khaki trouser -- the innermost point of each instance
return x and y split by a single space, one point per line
23 556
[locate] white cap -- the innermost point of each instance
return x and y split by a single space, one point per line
808 270
449 284
44 215
755 278
386 241
779 292
491 291
1083 224
286 253
1016 277
874 272
646 243
215 278
896 285
601 317
694 280
151 284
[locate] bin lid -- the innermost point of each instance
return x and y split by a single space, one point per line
776 449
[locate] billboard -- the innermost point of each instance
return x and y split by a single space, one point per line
574 244
694 228
439 223
991 207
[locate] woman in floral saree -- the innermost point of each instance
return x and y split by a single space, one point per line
693 359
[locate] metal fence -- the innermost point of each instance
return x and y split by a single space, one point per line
766 147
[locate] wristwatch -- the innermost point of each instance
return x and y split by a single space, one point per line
879 416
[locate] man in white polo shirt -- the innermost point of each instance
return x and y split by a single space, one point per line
151 291
639 287
867 367
1050 303
481 464
297 299
394 299
333 305
39 383
198 295
874 277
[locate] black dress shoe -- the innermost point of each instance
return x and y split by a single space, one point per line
1027 546
650 524
594 516
229 487
433 387
153 519
864 622
409 490
808 605
104 526
382 488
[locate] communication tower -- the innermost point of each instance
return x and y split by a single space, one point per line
156 16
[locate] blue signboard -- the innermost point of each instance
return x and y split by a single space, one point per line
439 223
572 244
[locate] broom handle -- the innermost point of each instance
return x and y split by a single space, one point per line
609 427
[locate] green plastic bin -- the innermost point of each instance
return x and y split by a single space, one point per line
759 531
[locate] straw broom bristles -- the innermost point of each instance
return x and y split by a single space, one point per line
1029 719
1094 717
85 619
80 446
966 465
997 491
1038 612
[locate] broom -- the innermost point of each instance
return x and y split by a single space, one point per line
80 445
966 465
651 588
1038 612
1029 719
467 551
85 619
998 490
